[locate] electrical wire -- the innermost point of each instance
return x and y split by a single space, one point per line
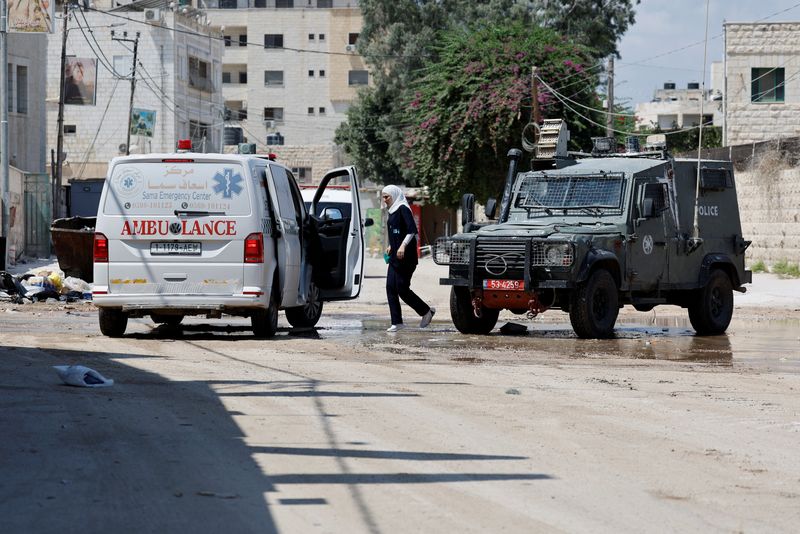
604 112
99 127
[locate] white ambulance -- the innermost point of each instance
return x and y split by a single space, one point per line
211 234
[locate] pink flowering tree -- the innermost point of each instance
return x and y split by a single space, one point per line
470 106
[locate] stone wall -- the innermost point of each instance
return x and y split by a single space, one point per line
769 204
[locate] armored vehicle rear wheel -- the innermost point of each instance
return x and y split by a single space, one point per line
112 321
712 308
308 314
594 306
265 322
464 315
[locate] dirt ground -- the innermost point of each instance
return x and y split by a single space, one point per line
346 428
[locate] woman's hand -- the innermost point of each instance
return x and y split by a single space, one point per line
388 250
401 252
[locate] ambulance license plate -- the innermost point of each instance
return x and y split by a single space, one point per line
185 248
504 285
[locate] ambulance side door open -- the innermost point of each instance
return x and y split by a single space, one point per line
338 250
288 238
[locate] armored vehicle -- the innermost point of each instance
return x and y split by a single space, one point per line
588 234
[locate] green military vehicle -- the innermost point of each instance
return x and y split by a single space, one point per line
590 233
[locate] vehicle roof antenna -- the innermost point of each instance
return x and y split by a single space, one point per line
695 240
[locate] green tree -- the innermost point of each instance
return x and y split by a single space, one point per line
473 102
398 37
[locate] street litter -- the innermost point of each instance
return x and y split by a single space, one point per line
514 329
43 285
78 375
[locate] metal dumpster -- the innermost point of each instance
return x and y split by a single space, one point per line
73 241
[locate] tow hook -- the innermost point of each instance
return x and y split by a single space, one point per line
534 307
477 305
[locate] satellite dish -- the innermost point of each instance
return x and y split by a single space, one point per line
122 147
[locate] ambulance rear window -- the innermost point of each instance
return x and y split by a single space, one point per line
161 188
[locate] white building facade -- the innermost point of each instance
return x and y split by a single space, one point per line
762 79
178 91
290 72
674 107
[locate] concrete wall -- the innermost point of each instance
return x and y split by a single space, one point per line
761 45
769 203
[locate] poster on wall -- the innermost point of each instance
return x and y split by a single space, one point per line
31 16
80 81
143 122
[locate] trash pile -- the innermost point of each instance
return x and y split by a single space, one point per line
43 285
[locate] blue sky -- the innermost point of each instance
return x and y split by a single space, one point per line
662 26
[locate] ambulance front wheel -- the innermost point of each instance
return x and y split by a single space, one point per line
113 321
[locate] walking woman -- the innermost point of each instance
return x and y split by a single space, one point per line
402 253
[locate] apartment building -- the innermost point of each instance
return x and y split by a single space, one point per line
290 71
762 79
678 107
178 91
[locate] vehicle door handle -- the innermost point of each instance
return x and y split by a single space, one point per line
175 277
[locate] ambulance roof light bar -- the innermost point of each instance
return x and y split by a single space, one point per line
184 145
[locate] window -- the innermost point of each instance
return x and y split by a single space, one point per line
310 111
70 129
284 3
303 174
321 73
22 89
358 77
273 114
200 74
243 77
232 135
310 36
243 40
227 4
324 3
352 38
322 37
260 3
273 77
243 114
273 40
275 139
227 39
226 77
198 131
322 111
311 74
10 85
767 85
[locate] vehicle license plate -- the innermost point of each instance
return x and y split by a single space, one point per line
186 248
504 285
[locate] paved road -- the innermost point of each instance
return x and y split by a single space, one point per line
349 429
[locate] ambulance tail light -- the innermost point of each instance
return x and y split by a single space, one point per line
100 248
254 248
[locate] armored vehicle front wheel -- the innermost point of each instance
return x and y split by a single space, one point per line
594 306
265 322
463 313
712 307
309 313
113 321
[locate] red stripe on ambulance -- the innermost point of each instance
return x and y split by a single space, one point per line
190 228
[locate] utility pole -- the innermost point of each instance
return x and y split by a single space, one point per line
610 99
60 138
4 122
133 81
537 118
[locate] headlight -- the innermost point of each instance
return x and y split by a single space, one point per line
450 252
552 255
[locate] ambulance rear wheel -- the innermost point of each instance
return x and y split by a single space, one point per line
712 309
307 315
463 314
113 321
265 321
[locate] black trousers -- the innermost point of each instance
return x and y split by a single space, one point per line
398 286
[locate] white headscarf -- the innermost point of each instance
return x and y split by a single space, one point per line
398 198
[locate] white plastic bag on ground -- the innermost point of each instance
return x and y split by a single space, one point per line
78 375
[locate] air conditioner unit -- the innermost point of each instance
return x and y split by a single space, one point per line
350 48
152 15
